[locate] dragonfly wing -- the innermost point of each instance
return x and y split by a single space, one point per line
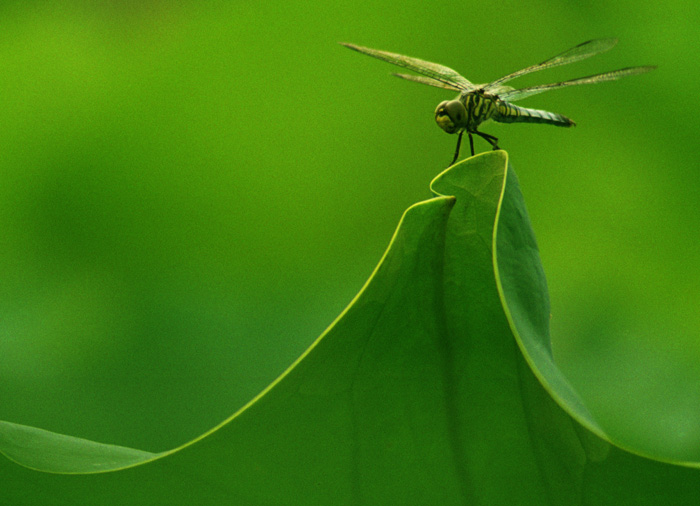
440 73
499 90
512 96
428 80
577 53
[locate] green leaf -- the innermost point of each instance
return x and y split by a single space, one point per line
435 386
48 451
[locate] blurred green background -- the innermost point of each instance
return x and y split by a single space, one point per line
190 193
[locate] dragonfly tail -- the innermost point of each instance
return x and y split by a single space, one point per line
509 113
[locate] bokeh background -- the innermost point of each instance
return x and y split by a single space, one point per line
191 192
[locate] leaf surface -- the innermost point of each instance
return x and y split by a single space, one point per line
435 386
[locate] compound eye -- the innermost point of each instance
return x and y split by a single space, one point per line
455 110
440 109
450 115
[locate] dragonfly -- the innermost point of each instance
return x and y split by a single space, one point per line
478 103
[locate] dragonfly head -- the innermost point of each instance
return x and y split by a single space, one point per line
451 116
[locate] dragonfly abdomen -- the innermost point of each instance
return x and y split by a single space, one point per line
509 113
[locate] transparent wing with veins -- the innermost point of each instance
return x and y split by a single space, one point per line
576 53
435 74
428 80
511 95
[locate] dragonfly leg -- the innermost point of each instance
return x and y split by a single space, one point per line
490 139
459 143
471 142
